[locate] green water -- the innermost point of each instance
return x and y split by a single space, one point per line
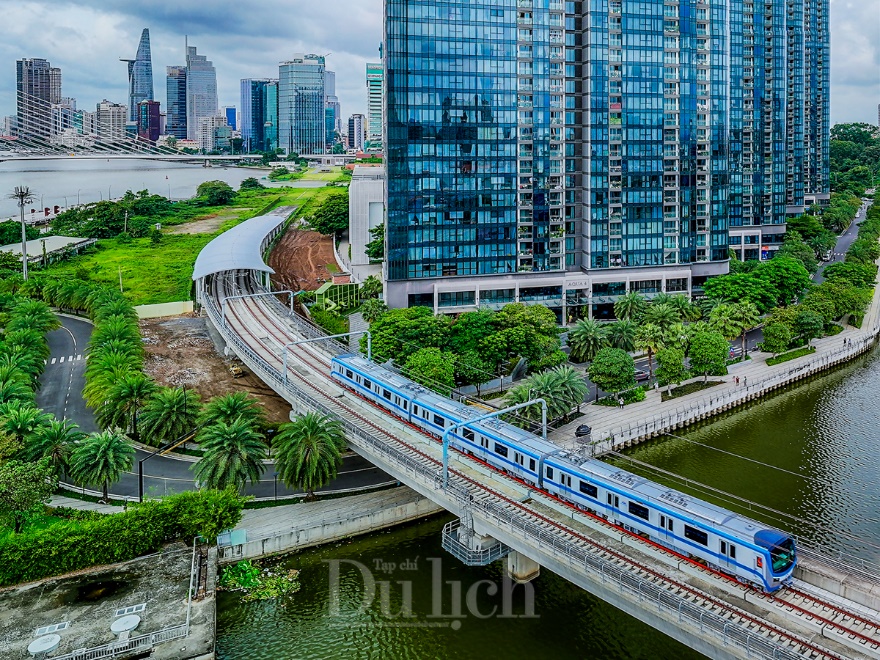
825 434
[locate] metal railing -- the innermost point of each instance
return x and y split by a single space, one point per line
120 647
669 604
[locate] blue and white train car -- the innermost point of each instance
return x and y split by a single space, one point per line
709 534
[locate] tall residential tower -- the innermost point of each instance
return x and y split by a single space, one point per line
375 98
175 106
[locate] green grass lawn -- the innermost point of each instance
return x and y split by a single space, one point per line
41 522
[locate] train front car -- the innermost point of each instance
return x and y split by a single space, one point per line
780 555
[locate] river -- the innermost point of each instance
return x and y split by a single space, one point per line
822 435
64 182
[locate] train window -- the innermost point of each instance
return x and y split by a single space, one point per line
589 489
732 551
549 472
724 547
728 549
639 511
517 457
439 421
406 405
415 409
696 535
666 523
613 500
501 450
348 373
368 384
468 434
386 394
532 464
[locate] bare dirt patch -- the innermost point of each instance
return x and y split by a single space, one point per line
207 225
300 260
179 351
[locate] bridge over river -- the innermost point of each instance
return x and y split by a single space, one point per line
829 611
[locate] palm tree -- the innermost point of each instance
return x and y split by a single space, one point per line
106 308
102 375
23 359
629 307
115 327
649 337
101 458
21 420
573 385
371 288
12 372
747 315
309 451
662 315
230 407
676 336
33 315
13 389
30 340
622 335
687 311
234 455
372 309
55 441
587 338
124 401
724 319
169 414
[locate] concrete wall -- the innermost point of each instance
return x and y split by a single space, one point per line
164 309
366 204
405 506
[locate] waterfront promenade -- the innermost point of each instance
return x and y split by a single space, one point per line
615 428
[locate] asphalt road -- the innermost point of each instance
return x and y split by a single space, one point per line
61 394
844 241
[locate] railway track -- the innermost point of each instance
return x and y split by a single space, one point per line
277 329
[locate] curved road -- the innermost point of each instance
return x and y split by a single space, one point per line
61 394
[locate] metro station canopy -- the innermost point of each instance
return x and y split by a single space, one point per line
240 248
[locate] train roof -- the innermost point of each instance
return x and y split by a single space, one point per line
717 516
506 431
380 373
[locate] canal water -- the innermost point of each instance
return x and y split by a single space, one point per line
62 182
821 435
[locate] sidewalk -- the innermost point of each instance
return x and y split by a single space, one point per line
615 428
73 503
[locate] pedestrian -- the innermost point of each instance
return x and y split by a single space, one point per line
746 381
737 380
844 341
620 402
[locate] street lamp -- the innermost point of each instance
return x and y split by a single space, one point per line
23 195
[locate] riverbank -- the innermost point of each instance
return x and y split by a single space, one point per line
278 530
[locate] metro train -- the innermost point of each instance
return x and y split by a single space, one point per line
720 539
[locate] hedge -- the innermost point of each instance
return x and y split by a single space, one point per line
143 529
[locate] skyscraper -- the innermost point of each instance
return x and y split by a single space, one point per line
375 90
201 91
301 120
175 104
148 121
111 120
231 114
568 153
140 77
270 127
254 113
332 107
38 86
356 128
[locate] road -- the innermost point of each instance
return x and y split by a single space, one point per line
61 395
844 241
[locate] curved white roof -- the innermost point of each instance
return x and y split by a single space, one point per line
238 248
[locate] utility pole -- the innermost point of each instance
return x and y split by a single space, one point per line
23 195
125 229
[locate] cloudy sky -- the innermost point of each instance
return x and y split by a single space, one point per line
247 40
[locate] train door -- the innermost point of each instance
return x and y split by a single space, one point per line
727 560
667 529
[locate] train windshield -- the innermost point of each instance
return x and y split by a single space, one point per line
781 547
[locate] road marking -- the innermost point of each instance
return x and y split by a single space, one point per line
79 357
70 358
53 360
60 360
71 335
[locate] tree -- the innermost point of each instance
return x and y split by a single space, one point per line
215 193
375 249
332 215
101 458
787 275
124 401
650 337
234 455
230 408
10 232
796 248
14 389
55 441
562 388
25 488
586 339
21 420
661 314
372 309
777 338
32 315
853 272
613 370
809 325
471 368
747 316
251 183
677 336
708 353
670 367
630 307
724 319
622 335
169 413
371 288
470 329
432 368
399 333
309 452
744 286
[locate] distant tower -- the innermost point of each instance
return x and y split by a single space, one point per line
375 86
140 77
175 106
201 91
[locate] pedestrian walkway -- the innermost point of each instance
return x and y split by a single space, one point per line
615 428
73 503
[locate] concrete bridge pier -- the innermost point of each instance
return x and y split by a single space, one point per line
520 568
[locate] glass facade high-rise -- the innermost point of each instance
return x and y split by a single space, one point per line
201 91
570 152
270 127
301 103
140 77
332 108
38 86
175 105
259 114
375 100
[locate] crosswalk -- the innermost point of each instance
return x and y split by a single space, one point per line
62 359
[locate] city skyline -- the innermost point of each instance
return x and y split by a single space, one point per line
84 39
